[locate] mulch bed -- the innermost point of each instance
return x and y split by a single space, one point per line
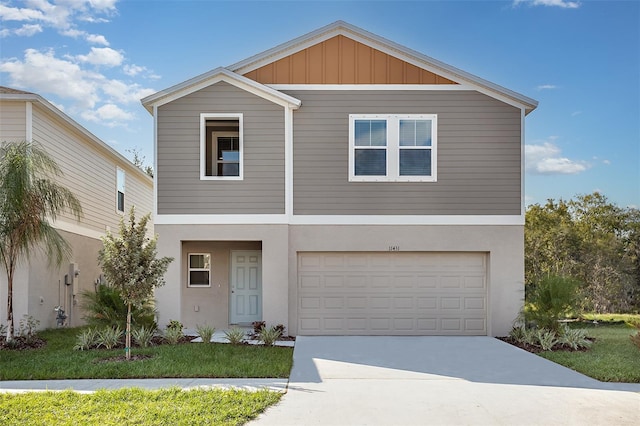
537 349
21 343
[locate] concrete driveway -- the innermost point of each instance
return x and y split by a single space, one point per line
441 381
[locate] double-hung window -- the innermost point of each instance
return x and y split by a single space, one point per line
392 147
221 146
120 178
199 270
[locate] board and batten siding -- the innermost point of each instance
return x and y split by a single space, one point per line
89 172
180 190
13 121
478 148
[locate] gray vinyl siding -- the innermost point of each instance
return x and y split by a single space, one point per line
13 121
479 155
89 171
180 190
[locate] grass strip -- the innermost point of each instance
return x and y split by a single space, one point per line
135 406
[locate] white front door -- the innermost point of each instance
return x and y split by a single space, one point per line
246 287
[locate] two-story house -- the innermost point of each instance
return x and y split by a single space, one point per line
338 184
105 182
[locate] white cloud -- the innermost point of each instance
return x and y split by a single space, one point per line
26 30
547 159
59 14
125 93
43 72
546 87
564 4
102 56
97 39
133 70
109 113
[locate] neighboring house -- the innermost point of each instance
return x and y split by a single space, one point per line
105 182
341 184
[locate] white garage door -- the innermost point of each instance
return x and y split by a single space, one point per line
388 293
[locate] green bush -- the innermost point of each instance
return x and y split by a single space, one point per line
143 336
269 335
552 299
575 338
205 332
173 333
87 339
109 337
235 335
104 307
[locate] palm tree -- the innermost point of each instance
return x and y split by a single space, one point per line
29 198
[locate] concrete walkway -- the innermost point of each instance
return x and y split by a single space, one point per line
441 381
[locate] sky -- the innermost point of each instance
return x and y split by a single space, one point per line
95 60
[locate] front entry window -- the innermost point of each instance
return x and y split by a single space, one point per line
199 270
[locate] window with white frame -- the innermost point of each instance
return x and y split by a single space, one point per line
221 146
392 147
199 270
120 178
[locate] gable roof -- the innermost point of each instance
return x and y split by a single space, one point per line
215 76
236 73
9 94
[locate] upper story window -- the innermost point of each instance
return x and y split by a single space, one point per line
199 270
397 148
221 146
120 178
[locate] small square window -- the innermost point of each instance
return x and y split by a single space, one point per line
199 274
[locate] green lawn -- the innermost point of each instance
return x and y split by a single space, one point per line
135 406
612 358
58 360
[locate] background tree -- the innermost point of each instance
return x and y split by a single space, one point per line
29 198
129 263
592 240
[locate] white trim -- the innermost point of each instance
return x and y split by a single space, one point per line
281 219
29 121
393 148
189 269
215 76
352 87
155 161
522 163
78 229
288 162
220 219
203 144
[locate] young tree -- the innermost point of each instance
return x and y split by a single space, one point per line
29 198
129 263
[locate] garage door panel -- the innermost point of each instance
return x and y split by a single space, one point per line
392 293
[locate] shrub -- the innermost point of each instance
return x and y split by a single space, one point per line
258 326
281 328
205 332
87 339
575 338
523 334
173 333
235 336
552 298
28 326
143 336
269 335
109 337
105 307
546 339
3 330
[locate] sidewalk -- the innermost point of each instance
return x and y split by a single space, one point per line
91 385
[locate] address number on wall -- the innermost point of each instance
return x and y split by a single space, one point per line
394 248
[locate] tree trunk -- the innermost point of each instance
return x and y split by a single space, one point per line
127 344
10 302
